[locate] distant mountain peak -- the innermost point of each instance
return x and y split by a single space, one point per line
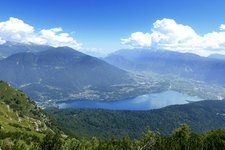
61 73
9 48
185 65
217 56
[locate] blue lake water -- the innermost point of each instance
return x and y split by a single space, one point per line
143 102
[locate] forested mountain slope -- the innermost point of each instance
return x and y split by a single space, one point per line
201 116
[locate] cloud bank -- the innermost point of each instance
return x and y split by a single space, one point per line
17 31
169 35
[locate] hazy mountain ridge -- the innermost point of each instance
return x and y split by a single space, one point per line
217 56
170 63
9 48
52 62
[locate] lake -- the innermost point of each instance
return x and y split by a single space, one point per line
143 102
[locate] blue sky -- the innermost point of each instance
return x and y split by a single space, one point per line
102 24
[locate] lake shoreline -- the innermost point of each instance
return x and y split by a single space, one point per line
142 102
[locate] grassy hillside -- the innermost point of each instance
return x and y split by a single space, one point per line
20 118
201 116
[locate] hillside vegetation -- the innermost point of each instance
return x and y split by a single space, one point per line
20 118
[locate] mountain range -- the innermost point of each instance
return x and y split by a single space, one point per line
60 73
185 65
49 74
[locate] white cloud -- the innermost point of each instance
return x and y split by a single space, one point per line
17 31
222 27
167 34
138 39
54 37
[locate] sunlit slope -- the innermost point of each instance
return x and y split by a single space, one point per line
20 118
